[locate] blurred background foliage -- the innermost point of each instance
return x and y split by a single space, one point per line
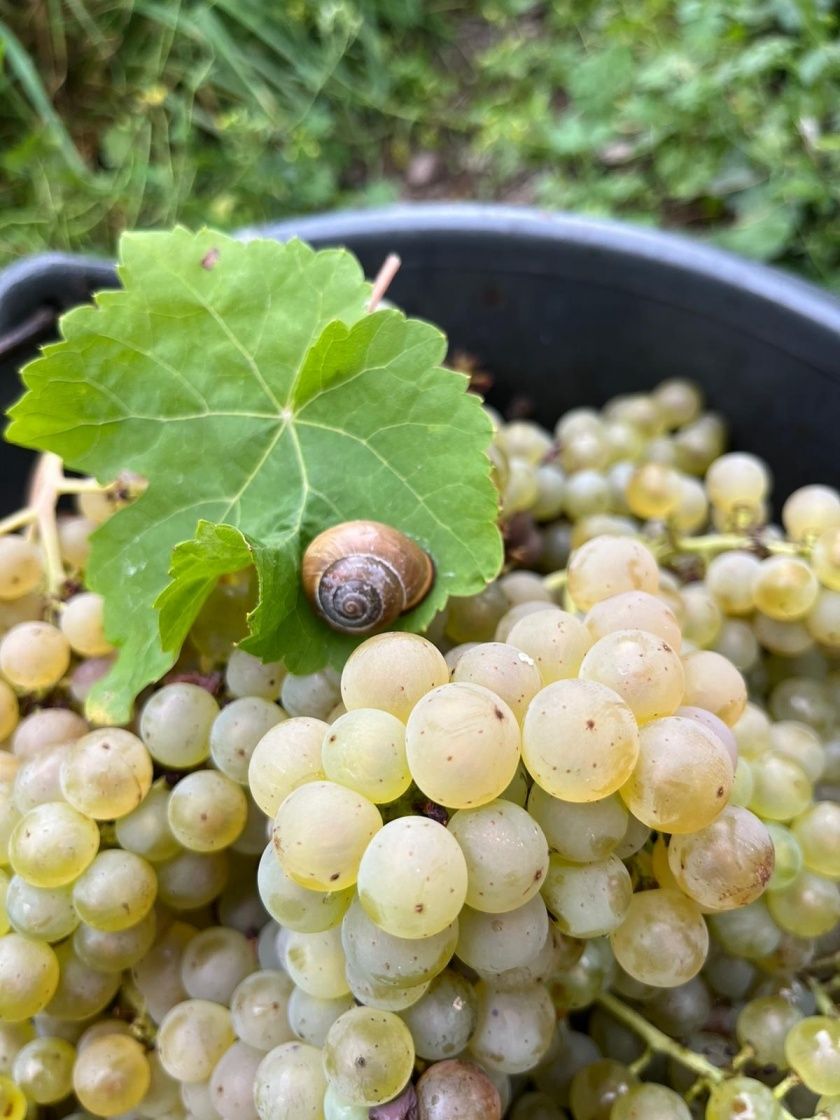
719 117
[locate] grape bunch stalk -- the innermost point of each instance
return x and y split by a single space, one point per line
574 854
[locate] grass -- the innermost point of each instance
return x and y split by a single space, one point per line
721 117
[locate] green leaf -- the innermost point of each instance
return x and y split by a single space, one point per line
246 382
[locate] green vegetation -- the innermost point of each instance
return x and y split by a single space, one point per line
716 116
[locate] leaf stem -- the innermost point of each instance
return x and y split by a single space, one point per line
659 1041
382 283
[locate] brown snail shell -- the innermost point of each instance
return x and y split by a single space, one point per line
362 575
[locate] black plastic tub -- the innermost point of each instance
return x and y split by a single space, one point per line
564 311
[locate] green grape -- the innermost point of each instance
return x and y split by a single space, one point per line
392 672
520 490
21 570
633 840
413 877
579 833
82 991
682 778
742 1097
825 558
551 492
473 618
643 669
34 656
812 1050
701 617
504 669
823 623
251 840
569 1052
804 700
828 1108
44 1069
196 1097
290 1081
737 643
506 854
554 640
634 610
368 1056
713 683
781 788
587 900
462 745
512 617
232 1082
557 952
259 1009
747 932
175 725
606 566
157 975
752 732
116 891
580 741
163 1097
237 729
535 1106
246 675
13 1037
74 541
513 1028
725 865
764 1024
800 744
788 862
807 907
817 834
145 831
296 907
678 1011
316 963
311 1018
214 962
311 694
743 785
730 578
663 940
495 943
787 639
29 974
192 879
732 977
364 750
653 491
207 811
52 844
390 961
13 1104
114 951
44 914
597 1087
320 833
443 1020
379 996
737 480
106 774
111 1075
38 778
192 1038
287 756
524 587
650 1102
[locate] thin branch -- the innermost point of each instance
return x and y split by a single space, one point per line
382 283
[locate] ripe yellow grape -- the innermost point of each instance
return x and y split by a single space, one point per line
737 480
34 656
825 558
321 832
580 740
606 566
634 610
9 711
556 640
52 844
287 756
810 511
663 940
730 578
83 626
642 668
13 1103
506 670
207 811
116 891
682 778
713 683
812 1049
781 788
365 751
725 865
106 773
392 672
21 570
29 973
44 1069
462 744
785 588
368 1056
653 491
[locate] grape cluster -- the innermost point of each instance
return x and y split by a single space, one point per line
575 853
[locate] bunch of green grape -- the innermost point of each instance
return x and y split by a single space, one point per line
575 853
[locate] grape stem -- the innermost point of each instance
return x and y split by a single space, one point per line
825 1003
657 1041
382 283
785 1086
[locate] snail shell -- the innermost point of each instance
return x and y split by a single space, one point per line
361 575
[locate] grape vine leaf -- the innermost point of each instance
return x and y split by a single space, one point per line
247 383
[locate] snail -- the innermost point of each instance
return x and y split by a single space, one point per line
362 575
